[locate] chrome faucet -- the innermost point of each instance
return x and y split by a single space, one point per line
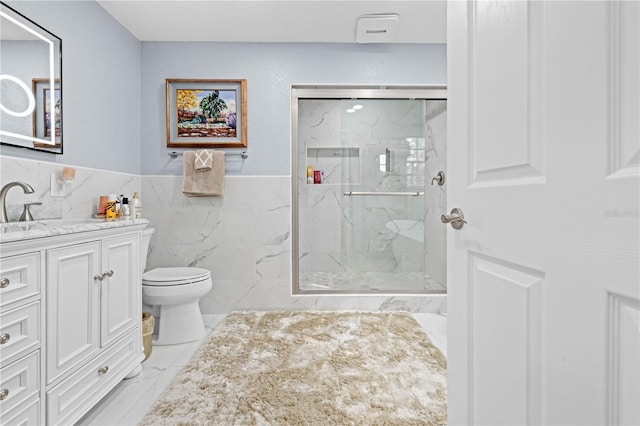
3 195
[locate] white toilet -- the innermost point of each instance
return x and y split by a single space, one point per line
173 294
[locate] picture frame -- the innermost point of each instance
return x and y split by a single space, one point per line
206 113
41 117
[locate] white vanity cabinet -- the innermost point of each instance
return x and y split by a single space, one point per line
78 307
20 338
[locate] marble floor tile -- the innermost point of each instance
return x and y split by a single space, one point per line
128 402
435 325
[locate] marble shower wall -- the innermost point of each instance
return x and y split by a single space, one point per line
244 238
340 233
82 194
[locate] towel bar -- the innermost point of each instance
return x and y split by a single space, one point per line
243 154
408 194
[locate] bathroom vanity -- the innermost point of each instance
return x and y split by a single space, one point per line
70 316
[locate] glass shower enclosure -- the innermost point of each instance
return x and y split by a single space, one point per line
365 214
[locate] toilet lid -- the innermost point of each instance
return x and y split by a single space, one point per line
174 276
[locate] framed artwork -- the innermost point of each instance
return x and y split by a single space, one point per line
46 121
206 113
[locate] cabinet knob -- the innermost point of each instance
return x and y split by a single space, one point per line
4 393
4 338
102 276
4 282
103 370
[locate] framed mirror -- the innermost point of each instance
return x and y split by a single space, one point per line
30 84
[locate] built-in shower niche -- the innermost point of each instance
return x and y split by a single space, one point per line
337 165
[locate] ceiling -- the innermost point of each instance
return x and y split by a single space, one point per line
326 21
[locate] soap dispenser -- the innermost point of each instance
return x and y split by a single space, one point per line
136 206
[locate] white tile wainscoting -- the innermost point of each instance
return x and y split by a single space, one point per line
131 399
82 194
244 238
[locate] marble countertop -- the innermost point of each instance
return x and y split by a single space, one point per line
19 231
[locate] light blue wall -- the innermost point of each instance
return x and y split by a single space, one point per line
114 96
270 69
101 86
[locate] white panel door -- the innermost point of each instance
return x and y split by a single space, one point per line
544 161
120 302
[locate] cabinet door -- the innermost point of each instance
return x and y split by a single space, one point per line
120 303
73 303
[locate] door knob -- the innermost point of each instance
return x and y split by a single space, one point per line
4 282
4 338
456 218
103 370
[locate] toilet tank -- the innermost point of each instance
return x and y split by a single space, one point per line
144 246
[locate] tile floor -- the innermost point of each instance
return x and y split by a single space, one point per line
128 402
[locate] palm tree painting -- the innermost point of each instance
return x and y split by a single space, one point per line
206 113
47 112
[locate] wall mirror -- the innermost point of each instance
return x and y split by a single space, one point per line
30 84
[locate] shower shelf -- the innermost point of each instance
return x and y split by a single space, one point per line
341 165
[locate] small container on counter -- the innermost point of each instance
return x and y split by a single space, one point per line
317 176
111 213
102 205
126 213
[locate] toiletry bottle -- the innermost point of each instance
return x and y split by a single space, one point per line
126 213
309 174
111 207
118 206
136 206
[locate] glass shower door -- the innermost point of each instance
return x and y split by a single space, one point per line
362 172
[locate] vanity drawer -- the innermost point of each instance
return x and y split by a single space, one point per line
71 399
26 414
19 332
19 381
19 277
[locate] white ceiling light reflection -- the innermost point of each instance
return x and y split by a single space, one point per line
357 107
350 110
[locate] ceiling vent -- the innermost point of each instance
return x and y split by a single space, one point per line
377 28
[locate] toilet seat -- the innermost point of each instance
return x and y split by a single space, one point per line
174 276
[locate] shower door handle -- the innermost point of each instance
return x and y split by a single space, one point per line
439 179
456 218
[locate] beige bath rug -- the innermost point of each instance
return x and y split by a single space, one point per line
310 368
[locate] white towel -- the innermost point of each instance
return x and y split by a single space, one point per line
204 159
203 183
